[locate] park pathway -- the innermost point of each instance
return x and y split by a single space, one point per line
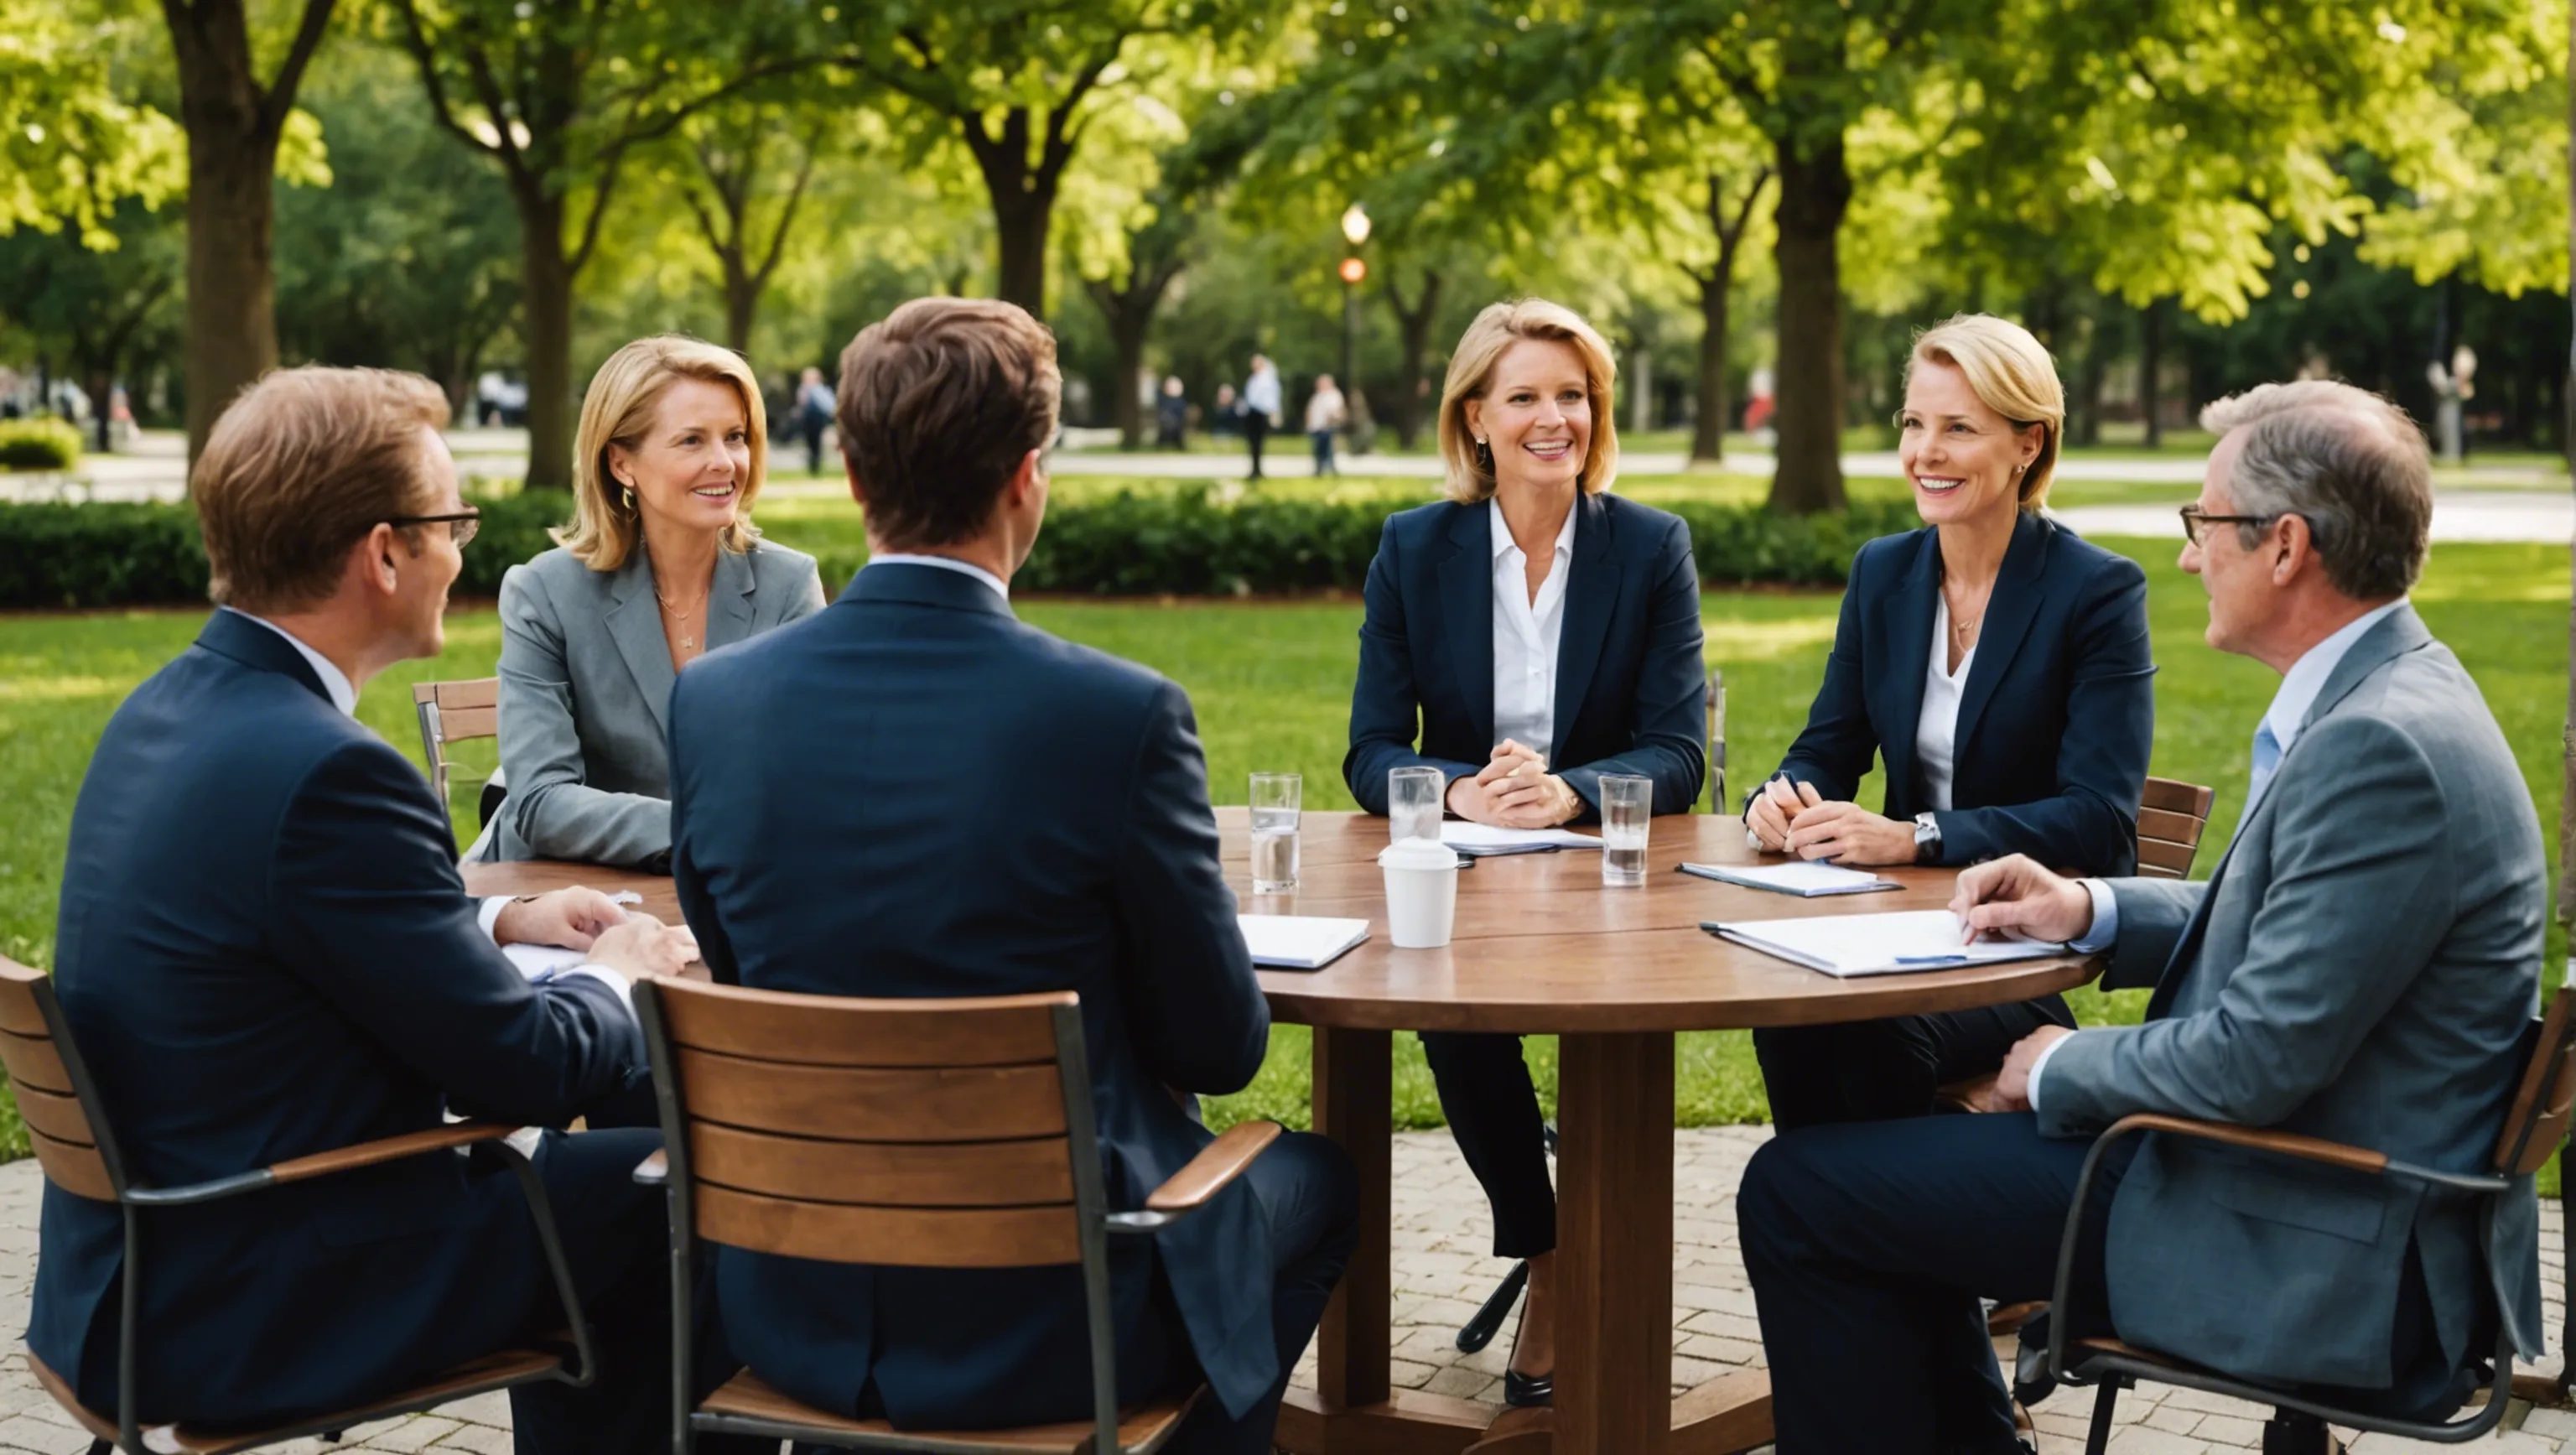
1442 1271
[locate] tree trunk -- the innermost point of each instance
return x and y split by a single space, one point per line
2088 379
1413 329
1708 436
742 306
1023 212
1815 191
100 380
232 284
546 298
2151 364
1126 410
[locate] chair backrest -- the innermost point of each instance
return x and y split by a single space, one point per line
54 1095
2171 818
1716 699
452 712
2536 1123
925 1133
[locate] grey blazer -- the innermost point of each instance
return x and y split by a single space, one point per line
585 681
2361 967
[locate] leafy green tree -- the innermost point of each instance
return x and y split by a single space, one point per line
560 97
73 141
100 310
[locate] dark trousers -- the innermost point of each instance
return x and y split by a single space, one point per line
1256 430
1869 1244
1872 1071
1309 1200
813 431
615 1239
1492 1109
1322 440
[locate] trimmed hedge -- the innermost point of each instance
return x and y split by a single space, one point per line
56 555
39 443
1178 543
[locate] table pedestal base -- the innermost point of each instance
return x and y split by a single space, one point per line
1614 1273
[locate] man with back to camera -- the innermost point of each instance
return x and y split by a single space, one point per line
265 952
2360 967
914 794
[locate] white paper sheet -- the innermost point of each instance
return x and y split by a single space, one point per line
1807 881
1477 838
1879 944
1299 942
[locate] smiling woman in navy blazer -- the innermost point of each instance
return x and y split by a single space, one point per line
1999 667
1538 633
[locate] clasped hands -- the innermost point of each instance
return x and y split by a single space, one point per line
630 942
1515 791
1801 821
2015 894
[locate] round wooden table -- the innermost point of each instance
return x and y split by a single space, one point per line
1539 946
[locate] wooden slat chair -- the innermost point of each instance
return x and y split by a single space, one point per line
2171 818
454 712
2535 1124
73 1144
915 1133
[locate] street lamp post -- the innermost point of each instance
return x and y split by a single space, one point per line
1355 231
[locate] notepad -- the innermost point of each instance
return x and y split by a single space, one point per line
1807 881
1877 944
1483 840
1297 941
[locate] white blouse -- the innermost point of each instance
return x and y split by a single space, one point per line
1525 636
1936 730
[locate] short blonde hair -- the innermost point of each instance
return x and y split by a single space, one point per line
299 469
2011 373
618 409
1471 373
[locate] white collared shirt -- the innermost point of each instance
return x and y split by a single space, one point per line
1000 587
1526 634
1936 728
334 681
2287 715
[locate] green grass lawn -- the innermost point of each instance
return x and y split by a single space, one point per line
1271 682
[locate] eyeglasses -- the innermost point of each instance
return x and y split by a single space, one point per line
2193 518
461 525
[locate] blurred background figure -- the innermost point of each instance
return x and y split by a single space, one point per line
1171 416
813 416
1326 413
1261 408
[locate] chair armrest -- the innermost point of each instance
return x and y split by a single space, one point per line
2287 1144
1217 1164
655 1170
323 1164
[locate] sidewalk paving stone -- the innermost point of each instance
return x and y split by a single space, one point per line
1443 1271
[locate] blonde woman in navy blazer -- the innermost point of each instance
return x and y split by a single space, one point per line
1999 667
1526 637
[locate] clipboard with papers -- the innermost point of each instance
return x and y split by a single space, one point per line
1805 880
1848 945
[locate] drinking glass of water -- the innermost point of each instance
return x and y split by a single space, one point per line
1627 806
1275 800
1413 803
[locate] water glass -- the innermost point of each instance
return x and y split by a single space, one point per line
1627 806
1275 801
1413 803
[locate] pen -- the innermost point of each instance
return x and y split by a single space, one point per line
1932 960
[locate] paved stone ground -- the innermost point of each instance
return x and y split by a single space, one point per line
1442 1271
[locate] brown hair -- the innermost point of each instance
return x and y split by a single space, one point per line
301 467
2010 372
617 410
1471 373
939 402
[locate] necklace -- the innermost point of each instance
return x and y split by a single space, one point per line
680 619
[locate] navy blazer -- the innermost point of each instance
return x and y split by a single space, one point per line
1631 684
2056 719
913 794
265 952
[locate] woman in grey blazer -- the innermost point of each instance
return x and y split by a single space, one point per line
661 565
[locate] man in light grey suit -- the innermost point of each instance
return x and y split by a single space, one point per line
2360 967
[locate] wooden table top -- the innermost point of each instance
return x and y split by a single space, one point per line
1539 944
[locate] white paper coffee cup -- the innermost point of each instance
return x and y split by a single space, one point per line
1421 893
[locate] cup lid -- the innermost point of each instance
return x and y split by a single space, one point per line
1418 854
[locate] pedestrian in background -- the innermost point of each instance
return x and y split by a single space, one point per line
1326 413
1261 407
1171 416
813 414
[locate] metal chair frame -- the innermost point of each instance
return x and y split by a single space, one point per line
133 1200
434 737
2113 1371
1091 1209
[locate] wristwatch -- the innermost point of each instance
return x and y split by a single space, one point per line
1927 839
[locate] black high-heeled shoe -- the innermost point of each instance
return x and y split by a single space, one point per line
1526 1391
